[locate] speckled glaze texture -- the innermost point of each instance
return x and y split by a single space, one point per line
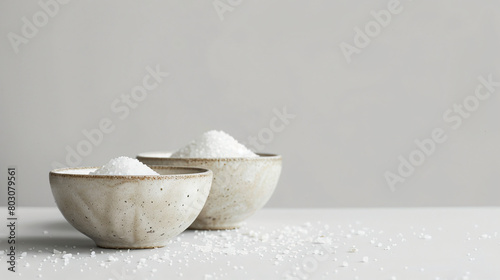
131 211
240 187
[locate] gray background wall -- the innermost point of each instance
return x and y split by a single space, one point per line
233 69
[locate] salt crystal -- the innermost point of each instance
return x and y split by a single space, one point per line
214 144
67 256
426 237
23 254
124 166
322 240
56 251
365 259
345 264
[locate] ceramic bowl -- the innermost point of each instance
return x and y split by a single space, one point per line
133 212
240 187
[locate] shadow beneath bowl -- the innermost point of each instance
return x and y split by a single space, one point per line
48 244
59 227
59 235
52 227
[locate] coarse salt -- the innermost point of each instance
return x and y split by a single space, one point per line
214 144
124 166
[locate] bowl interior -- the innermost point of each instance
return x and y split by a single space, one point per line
162 170
167 155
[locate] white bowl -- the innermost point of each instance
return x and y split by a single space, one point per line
142 211
241 186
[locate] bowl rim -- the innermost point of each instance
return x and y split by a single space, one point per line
197 172
261 156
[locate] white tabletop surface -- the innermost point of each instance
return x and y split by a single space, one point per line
425 243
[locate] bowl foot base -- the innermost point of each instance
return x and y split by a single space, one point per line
122 247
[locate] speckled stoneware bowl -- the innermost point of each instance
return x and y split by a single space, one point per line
132 212
240 187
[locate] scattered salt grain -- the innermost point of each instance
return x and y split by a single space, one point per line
365 259
124 166
322 240
213 144
427 237
66 256
353 249
345 264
